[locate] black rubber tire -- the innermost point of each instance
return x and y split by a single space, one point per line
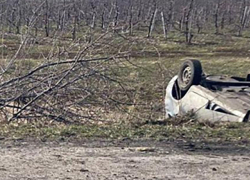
248 77
190 74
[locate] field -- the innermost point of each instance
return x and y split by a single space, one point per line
152 63
82 87
126 135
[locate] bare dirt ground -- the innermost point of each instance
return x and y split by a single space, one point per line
124 159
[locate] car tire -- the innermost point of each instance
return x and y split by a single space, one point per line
190 74
248 77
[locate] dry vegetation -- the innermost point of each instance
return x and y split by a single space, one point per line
84 71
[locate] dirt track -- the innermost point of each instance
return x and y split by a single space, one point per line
122 160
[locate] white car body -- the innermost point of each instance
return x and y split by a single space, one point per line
230 103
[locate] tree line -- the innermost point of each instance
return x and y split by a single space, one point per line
126 16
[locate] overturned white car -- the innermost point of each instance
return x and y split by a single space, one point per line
212 98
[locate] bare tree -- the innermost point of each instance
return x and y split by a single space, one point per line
75 21
244 17
46 21
188 21
152 20
217 14
163 25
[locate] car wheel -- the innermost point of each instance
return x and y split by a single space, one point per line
190 74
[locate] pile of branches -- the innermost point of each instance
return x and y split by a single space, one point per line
68 91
